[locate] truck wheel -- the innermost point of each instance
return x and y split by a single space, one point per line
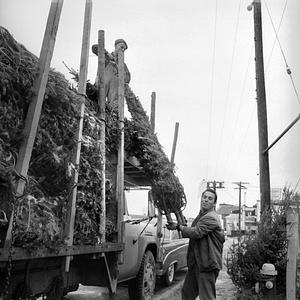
169 275
142 287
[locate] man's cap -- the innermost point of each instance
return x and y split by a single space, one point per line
118 41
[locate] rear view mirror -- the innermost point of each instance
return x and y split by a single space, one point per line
151 207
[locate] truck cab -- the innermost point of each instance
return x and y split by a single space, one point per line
143 264
140 230
141 243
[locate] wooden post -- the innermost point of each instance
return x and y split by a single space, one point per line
120 167
102 115
241 186
292 254
159 214
70 220
152 117
174 142
283 133
178 215
35 106
240 207
264 174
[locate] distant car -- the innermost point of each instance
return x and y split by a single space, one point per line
174 258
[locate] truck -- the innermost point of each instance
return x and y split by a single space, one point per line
56 229
95 265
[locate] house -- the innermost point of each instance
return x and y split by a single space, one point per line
225 210
231 216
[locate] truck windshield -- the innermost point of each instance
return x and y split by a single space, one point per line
137 202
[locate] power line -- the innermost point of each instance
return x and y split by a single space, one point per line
288 69
241 185
212 88
273 46
229 83
296 185
239 109
243 143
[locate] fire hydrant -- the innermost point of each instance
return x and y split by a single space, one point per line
267 282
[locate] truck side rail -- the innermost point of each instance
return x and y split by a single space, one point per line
21 254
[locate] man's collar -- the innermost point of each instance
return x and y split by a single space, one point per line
204 212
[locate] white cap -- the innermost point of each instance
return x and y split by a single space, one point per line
268 269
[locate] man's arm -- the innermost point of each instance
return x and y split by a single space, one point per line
204 226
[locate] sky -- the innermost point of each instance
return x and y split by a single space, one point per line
198 56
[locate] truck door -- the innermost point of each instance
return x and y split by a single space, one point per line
136 218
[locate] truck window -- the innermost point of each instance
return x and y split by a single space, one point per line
137 202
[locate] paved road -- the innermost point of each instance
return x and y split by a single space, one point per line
225 288
161 292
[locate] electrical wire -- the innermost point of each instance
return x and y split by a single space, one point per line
242 145
288 69
274 43
212 88
296 186
239 108
228 85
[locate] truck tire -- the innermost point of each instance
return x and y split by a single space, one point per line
169 275
142 287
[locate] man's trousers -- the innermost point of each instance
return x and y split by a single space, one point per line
202 284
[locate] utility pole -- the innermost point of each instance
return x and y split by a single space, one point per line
264 173
215 185
240 187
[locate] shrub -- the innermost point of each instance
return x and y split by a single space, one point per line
268 245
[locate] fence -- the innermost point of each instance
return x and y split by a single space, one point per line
292 231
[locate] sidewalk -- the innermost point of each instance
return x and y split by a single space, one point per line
226 290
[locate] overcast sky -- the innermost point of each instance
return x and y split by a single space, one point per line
198 56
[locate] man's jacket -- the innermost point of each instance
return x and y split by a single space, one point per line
206 242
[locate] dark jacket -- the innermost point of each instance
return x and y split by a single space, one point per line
206 242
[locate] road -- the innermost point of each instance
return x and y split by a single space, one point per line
225 288
92 292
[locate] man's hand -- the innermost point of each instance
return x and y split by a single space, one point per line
172 226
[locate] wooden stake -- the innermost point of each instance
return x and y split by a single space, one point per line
69 230
35 106
120 167
291 268
179 216
152 117
174 143
159 214
102 115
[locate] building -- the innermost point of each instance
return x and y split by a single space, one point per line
231 216
224 210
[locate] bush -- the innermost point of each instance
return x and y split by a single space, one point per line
268 245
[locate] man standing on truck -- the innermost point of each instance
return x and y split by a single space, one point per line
204 257
111 71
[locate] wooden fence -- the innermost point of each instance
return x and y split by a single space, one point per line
292 230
